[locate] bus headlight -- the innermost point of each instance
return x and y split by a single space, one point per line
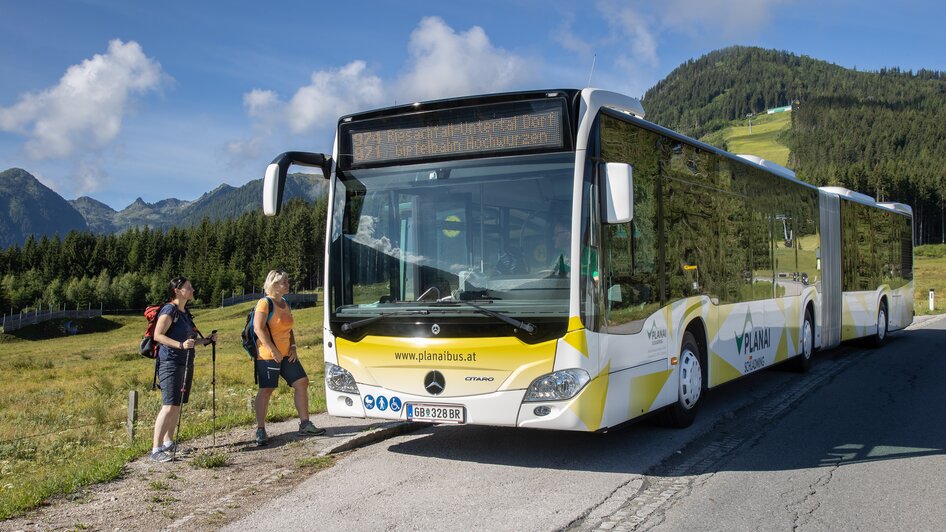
339 379
557 386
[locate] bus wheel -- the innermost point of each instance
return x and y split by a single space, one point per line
802 361
880 337
682 413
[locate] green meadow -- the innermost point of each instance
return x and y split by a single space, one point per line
65 399
930 268
763 141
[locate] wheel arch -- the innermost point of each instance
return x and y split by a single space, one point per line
810 309
697 327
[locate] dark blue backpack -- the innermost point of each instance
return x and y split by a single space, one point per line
249 334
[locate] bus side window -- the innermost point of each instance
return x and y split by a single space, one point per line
631 283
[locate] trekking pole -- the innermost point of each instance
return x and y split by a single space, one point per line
213 382
180 413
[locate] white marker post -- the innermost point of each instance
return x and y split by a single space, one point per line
931 300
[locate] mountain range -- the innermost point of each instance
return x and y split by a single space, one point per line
29 207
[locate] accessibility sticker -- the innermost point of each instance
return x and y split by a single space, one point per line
382 403
395 404
369 402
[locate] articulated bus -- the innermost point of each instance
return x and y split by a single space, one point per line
552 260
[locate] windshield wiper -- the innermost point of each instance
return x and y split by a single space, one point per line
524 325
352 325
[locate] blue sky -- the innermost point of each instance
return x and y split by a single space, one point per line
117 99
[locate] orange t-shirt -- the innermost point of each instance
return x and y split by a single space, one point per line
280 326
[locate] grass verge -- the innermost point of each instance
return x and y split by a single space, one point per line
65 400
930 273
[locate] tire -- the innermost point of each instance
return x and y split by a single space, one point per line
880 337
802 362
690 387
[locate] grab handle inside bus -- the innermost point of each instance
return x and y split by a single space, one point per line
618 188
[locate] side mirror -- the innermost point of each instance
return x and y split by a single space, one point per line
618 188
273 185
274 181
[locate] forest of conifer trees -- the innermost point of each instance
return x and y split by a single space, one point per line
132 269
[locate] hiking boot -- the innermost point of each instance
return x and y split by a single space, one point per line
161 456
306 428
170 449
261 438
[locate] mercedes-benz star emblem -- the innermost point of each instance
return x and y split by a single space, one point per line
435 329
434 383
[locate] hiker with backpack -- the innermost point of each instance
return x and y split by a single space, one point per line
277 355
176 336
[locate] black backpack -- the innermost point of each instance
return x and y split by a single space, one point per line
249 335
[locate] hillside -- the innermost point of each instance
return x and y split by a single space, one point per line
229 202
879 133
30 207
765 140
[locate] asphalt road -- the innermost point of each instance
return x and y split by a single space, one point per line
855 443
864 452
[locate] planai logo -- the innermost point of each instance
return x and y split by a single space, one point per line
656 335
753 338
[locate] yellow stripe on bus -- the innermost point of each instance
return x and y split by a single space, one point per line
644 391
590 406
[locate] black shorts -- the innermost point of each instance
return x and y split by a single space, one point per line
171 380
268 372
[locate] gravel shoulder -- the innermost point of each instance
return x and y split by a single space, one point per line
179 495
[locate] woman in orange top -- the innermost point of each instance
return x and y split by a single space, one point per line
277 356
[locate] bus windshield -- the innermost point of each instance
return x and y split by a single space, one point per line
428 238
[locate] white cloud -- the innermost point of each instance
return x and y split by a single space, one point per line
246 150
330 94
87 177
266 109
334 93
85 110
567 39
314 107
444 63
645 24
259 103
631 28
724 19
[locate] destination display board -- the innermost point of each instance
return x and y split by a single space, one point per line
505 127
